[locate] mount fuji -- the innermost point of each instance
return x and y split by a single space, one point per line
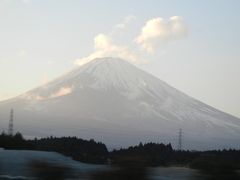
111 100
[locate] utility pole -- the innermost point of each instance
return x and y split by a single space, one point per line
180 140
10 126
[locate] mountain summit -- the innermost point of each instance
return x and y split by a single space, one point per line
113 101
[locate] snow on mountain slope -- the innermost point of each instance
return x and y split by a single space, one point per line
113 101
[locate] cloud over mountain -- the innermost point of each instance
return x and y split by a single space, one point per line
105 46
159 30
156 31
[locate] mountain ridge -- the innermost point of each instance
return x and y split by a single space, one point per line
111 99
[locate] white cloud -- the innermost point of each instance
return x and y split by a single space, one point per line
102 41
105 47
62 92
127 20
158 30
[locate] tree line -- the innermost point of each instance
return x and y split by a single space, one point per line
88 151
148 154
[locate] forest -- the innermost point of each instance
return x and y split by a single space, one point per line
148 154
87 151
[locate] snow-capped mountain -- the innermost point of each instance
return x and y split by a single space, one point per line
113 101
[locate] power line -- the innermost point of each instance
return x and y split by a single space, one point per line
10 126
180 139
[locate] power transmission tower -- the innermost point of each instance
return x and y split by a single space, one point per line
180 139
10 127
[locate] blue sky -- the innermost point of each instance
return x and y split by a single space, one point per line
41 39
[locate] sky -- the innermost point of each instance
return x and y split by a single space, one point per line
192 45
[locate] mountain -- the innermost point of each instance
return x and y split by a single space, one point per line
113 101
